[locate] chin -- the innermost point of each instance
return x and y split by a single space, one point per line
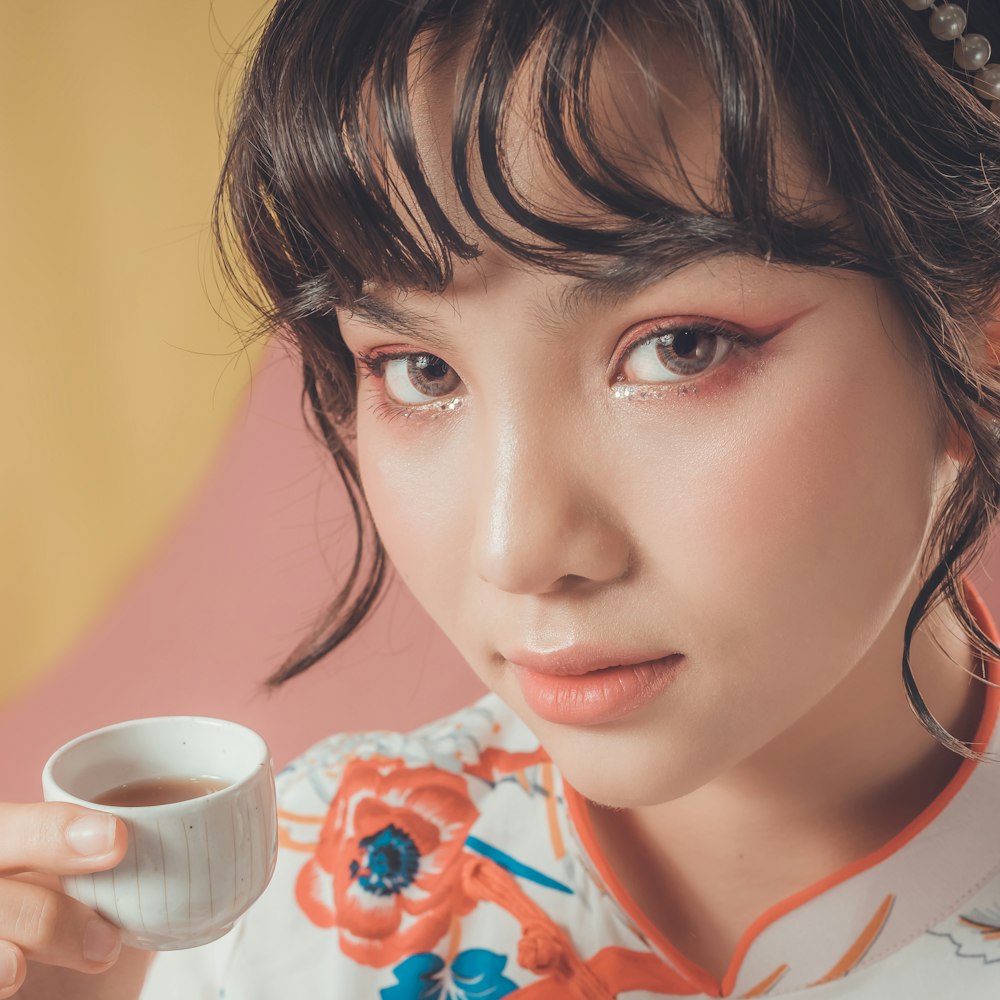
625 794
625 775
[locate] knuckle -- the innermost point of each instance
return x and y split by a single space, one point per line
36 829
37 922
39 836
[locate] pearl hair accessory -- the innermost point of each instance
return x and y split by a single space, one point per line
972 52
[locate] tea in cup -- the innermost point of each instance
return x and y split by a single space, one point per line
197 797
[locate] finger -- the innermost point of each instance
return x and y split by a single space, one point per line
53 929
37 878
58 838
13 969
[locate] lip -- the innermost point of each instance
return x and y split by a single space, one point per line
582 659
599 695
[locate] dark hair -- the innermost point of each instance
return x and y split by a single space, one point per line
892 125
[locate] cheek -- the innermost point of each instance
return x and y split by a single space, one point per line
415 493
791 530
778 537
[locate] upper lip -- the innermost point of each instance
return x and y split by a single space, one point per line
581 659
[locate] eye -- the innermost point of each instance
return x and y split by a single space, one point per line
418 383
409 378
678 351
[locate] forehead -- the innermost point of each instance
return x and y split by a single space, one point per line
620 162
655 122
645 116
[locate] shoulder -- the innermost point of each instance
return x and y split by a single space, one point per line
481 739
378 822
371 831
348 783
972 930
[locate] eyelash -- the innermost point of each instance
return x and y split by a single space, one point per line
373 365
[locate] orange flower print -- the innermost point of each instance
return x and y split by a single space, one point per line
387 867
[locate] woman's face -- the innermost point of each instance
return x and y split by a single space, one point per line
545 472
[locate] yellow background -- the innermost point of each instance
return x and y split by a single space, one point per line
118 378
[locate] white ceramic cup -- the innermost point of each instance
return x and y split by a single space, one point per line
194 866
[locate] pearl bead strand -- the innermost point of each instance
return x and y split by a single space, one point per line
972 52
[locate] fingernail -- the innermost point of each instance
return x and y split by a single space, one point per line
8 968
91 836
101 942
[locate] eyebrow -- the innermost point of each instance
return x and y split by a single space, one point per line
619 279
394 319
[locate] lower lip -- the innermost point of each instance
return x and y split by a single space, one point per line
599 696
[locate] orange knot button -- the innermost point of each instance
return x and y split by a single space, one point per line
541 948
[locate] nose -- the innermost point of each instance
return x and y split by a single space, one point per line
546 510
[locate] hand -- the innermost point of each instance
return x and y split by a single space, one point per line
48 939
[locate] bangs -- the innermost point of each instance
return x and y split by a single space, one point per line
331 195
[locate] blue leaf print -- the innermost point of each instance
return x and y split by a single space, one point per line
476 974
416 978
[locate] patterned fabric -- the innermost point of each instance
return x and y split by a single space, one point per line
455 863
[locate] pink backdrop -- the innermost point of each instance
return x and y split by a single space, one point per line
225 596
